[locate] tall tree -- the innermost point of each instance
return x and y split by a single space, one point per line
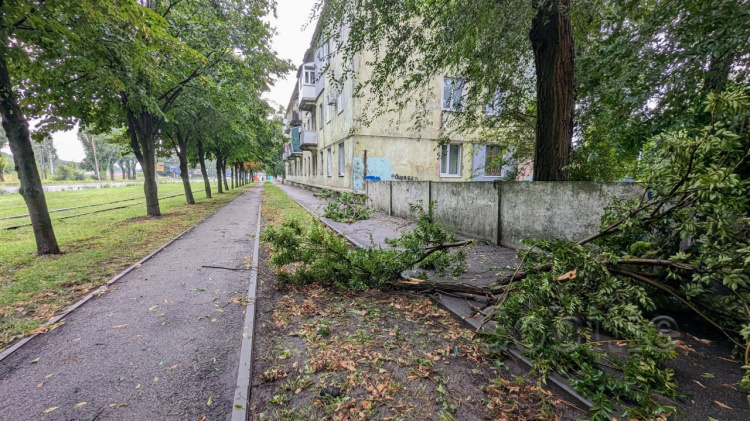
48 49
551 38
210 33
102 151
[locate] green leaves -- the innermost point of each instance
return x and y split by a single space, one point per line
682 246
306 256
346 207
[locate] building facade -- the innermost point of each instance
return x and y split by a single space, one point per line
329 146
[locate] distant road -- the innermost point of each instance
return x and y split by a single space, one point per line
82 186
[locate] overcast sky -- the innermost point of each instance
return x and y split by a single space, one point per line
290 42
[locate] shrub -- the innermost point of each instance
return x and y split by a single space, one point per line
67 172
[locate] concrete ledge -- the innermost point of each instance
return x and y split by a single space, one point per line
315 188
558 384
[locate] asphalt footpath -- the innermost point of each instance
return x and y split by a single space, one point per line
162 343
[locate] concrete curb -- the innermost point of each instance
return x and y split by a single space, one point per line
555 382
9 351
245 372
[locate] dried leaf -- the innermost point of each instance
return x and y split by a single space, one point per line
725 406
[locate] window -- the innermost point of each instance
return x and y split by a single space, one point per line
342 159
328 113
450 161
321 115
314 165
309 170
492 161
325 51
452 94
308 75
321 163
340 99
328 166
495 106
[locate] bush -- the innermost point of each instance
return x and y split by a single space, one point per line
68 172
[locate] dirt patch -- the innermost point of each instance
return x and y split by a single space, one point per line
324 353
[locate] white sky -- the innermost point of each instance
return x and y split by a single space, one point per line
290 42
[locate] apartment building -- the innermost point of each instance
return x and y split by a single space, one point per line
330 147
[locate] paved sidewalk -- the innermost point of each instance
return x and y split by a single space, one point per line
485 262
162 344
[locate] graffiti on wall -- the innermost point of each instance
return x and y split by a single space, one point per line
404 177
377 169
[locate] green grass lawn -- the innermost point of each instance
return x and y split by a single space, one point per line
95 248
12 180
278 207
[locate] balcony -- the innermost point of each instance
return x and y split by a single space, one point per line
308 139
296 120
306 81
295 143
306 100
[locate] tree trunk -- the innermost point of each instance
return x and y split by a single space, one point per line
551 38
718 72
122 169
224 173
218 174
141 131
181 150
111 171
133 165
231 175
204 173
17 130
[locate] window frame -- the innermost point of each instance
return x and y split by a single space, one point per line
495 106
340 100
342 160
328 167
308 75
494 156
451 106
447 147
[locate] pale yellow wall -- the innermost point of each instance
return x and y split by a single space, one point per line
391 142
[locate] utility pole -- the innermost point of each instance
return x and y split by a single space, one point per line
96 161
51 160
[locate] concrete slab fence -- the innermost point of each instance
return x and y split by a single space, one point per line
505 212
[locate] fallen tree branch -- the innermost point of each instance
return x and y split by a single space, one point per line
673 293
222 267
433 286
439 247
